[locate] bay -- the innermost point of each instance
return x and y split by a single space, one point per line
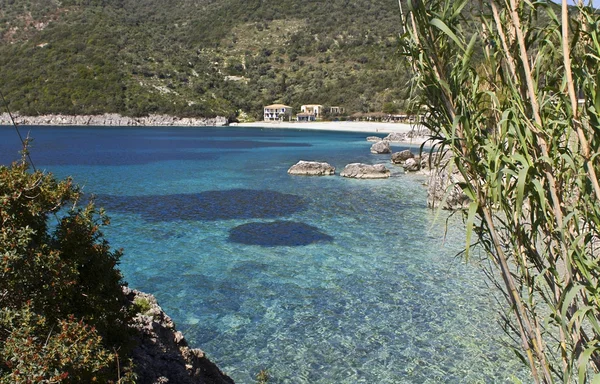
317 280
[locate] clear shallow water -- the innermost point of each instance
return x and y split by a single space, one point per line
317 280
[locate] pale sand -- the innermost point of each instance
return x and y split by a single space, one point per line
344 126
348 126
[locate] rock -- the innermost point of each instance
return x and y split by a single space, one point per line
401 157
418 133
374 138
396 137
112 119
365 171
311 168
443 189
411 165
381 147
161 354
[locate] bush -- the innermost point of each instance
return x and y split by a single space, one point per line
62 307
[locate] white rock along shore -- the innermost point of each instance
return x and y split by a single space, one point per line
113 119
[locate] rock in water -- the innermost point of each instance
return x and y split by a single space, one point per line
374 138
443 189
381 147
411 165
396 136
401 157
365 171
311 168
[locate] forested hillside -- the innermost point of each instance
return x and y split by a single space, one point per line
199 57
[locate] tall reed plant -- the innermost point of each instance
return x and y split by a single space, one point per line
511 88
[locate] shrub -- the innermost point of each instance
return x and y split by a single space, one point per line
62 307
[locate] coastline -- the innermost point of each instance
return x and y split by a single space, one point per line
339 126
113 120
408 134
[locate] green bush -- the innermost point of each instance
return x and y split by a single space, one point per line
62 307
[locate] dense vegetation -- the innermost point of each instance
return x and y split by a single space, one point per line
199 58
63 316
523 126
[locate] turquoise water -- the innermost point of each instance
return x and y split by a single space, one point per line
317 280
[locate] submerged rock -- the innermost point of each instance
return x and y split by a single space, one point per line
381 147
311 168
401 157
161 354
277 233
365 171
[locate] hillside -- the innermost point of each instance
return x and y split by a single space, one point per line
199 57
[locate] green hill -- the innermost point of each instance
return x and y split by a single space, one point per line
199 57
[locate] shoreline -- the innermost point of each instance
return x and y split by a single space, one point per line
338 126
366 127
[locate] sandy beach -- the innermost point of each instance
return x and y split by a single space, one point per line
347 126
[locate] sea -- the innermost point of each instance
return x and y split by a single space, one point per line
312 279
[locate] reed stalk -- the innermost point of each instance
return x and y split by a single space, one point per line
504 101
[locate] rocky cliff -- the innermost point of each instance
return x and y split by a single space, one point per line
111 119
162 354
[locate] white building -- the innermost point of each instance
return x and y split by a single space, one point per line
278 112
312 109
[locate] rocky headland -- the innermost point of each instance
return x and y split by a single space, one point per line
112 119
162 354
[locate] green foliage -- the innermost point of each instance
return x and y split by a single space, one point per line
71 351
528 152
62 307
141 305
137 57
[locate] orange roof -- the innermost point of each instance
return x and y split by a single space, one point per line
278 106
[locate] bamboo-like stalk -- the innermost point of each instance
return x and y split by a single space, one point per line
540 250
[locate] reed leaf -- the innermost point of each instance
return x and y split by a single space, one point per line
505 105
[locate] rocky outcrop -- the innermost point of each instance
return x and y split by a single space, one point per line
112 119
411 165
365 171
396 137
311 168
374 138
443 190
162 354
381 147
401 157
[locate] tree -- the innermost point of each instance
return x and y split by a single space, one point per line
527 149
63 314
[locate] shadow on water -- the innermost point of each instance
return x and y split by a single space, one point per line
206 206
277 233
